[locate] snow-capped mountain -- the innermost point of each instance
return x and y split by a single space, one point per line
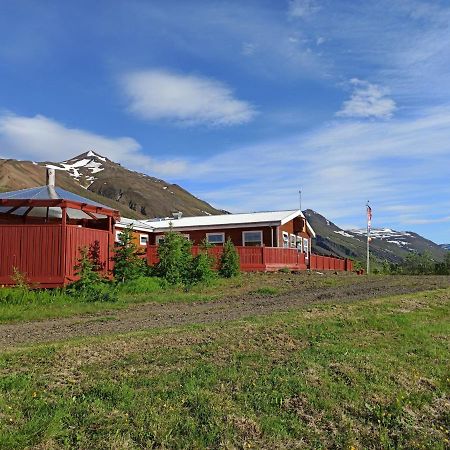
134 194
386 244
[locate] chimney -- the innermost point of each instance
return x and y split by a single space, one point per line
177 215
50 177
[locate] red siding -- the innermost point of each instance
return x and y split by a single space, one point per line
40 252
34 250
76 238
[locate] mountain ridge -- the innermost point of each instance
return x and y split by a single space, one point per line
386 244
91 175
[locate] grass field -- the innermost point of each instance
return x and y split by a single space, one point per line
370 374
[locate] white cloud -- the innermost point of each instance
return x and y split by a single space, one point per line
42 139
367 100
302 8
339 166
186 99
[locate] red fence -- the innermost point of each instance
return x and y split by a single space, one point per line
44 254
268 259
318 262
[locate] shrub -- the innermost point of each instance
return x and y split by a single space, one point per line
229 261
201 270
418 264
127 264
90 286
175 258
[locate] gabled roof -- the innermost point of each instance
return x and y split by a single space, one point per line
46 201
268 218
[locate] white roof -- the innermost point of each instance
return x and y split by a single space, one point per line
138 225
269 218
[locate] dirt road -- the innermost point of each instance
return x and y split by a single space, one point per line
151 315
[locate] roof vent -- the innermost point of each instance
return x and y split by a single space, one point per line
50 177
177 215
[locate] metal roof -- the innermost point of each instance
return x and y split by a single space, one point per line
268 218
49 193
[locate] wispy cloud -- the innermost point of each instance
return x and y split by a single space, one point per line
40 138
367 100
185 99
339 166
302 8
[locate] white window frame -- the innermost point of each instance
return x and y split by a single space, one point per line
285 239
300 244
216 234
118 233
306 246
186 236
252 231
292 241
141 236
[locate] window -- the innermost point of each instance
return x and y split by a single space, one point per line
285 239
293 240
305 245
143 239
215 238
118 233
252 238
300 243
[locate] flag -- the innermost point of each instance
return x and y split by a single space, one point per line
369 217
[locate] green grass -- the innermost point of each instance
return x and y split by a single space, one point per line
18 305
371 374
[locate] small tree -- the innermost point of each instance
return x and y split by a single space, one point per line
86 272
127 265
175 258
90 286
201 267
229 261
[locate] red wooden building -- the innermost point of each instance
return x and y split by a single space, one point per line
42 230
285 229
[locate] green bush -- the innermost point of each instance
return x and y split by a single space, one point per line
229 261
201 270
127 264
90 286
175 258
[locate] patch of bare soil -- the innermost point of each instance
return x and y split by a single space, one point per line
151 315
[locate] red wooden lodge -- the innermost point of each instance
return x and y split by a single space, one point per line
43 228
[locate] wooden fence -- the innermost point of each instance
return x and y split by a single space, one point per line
47 253
266 259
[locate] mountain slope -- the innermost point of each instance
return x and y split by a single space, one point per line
445 246
386 244
93 176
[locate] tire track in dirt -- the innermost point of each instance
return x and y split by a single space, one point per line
151 315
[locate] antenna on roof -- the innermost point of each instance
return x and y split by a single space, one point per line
50 178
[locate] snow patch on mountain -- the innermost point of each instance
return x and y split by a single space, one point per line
399 238
343 233
83 169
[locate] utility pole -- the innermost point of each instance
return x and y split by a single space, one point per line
369 225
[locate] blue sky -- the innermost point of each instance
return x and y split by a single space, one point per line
243 103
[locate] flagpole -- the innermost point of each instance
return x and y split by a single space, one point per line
369 212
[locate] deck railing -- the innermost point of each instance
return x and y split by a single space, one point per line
268 259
